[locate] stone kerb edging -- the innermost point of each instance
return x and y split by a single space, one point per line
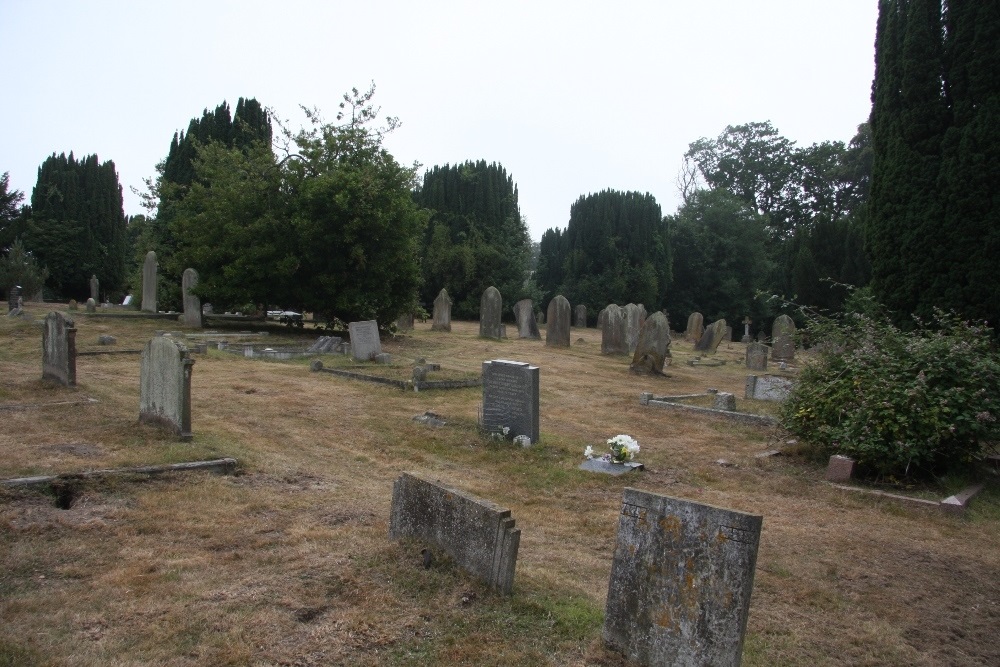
220 466
404 384
742 417
479 535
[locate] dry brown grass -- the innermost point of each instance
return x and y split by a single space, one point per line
288 563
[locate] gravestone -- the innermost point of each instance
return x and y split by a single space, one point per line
59 349
490 305
14 298
580 317
442 312
729 334
768 387
783 337
149 282
510 397
635 317
653 348
477 534
192 303
91 305
712 338
723 400
747 337
695 328
681 579
365 343
404 322
557 322
757 356
601 317
613 340
95 289
72 305
165 386
524 315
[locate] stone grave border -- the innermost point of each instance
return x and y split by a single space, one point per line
94 353
404 384
32 406
673 403
137 315
225 466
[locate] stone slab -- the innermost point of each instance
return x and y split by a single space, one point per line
958 503
608 468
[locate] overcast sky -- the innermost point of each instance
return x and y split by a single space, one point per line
570 97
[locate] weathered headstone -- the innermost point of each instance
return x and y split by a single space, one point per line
477 534
405 322
149 282
729 334
490 307
712 338
580 316
442 312
192 303
757 356
747 337
695 328
524 315
613 340
14 298
653 348
635 317
510 397
91 305
72 305
724 401
365 343
768 387
59 349
95 289
601 317
681 580
165 386
783 337
557 322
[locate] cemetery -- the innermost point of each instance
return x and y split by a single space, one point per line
347 531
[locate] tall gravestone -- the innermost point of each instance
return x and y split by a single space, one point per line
442 312
95 289
149 282
524 315
695 328
192 303
510 398
712 338
613 330
635 317
490 307
580 317
557 322
653 348
59 349
783 338
757 356
165 386
681 579
601 317
365 343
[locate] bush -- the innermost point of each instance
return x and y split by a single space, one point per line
909 404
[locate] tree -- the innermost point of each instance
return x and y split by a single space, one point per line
12 213
19 268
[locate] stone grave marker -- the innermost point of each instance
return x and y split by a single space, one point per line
149 282
580 316
524 315
613 339
192 303
783 337
404 322
59 349
653 348
365 343
635 317
768 387
442 312
95 289
165 386
91 305
557 322
510 398
490 307
14 298
601 317
712 337
756 357
747 336
681 579
695 328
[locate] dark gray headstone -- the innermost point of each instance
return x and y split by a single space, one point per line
681 580
95 289
580 316
613 330
557 322
635 317
14 298
712 337
524 315
59 349
490 307
442 312
149 282
695 328
192 303
165 386
365 343
783 339
653 349
757 356
510 397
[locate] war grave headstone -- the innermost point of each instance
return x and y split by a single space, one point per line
404 322
613 339
712 338
756 357
768 387
192 303
695 328
365 343
557 322
95 289
91 305
681 580
165 386
510 398
149 282
59 349
580 316
490 305
524 315
477 534
783 339
653 348
635 317
442 312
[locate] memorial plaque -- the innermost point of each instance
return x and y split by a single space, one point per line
365 343
59 349
510 397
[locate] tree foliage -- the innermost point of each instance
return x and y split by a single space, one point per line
19 268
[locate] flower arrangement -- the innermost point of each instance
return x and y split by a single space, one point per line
623 448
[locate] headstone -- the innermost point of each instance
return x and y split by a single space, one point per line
635 317
477 534
757 356
405 322
490 306
192 303
724 401
580 316
524 315
768 387
840 468
510 397
681 579
601 317
653 348
557 322
729 334
746 330
165 386
442 312
712 337
613 340
91 305
149 282
127 301
695 328
783 337
105 339
540 317
59 349
365 343
72 305
95 289
14 298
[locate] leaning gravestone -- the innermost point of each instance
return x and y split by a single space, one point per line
635 317
510 398
557 322
165 386
653 348
365 343
580 317
95 289
149 282
695 328
442 312
192 303
59 349
490 306
681 580
757 356
524 315
783 337
712 337
613 330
